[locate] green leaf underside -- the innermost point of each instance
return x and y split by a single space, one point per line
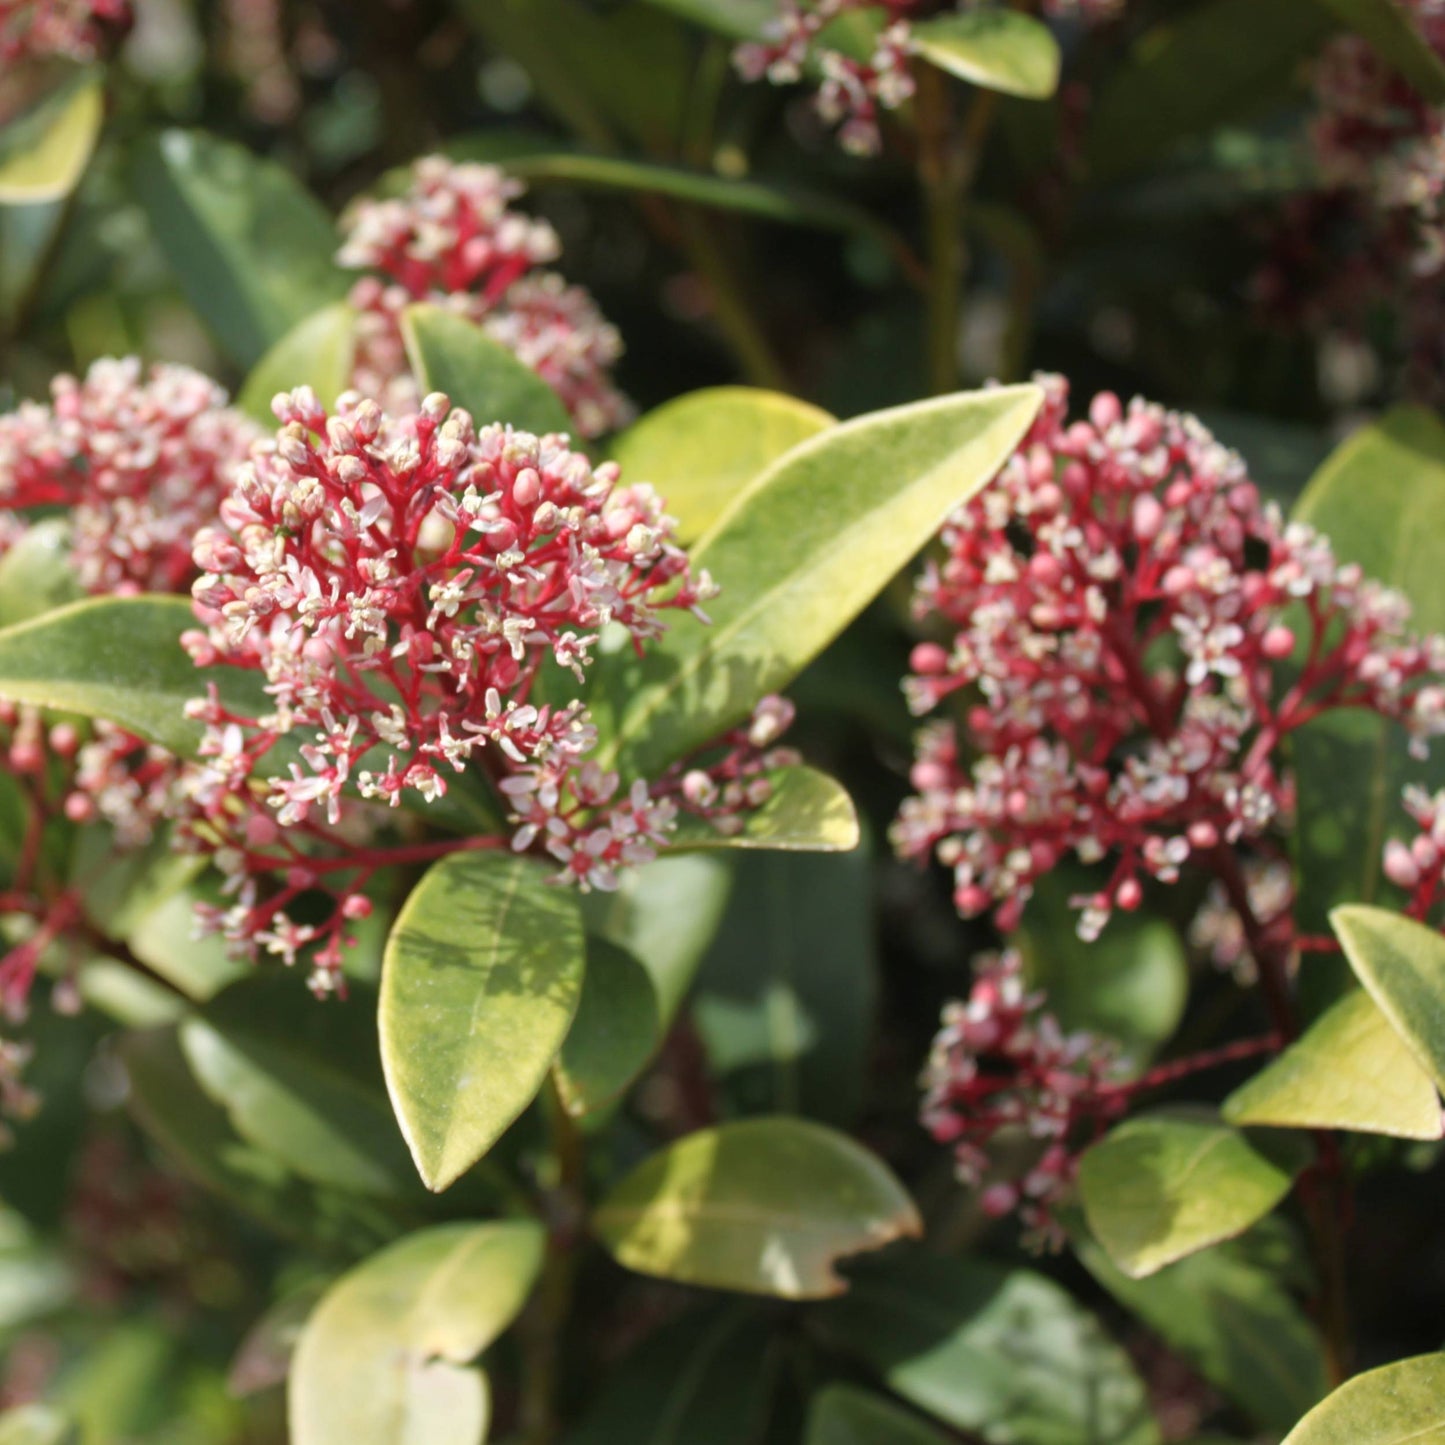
615 1033
1227 1314
1162 1186
701 450
317 352
44 153
249 246
452 355
998 49
1402 964
383 1359
762 1206
808 812
1003 1354
480 982
798 555
1350 1070
846 1415
1396 39
1401 1404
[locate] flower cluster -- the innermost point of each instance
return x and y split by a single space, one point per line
1418 866
1123 608
854 90
73 29
454 240
408 589
138 463
1001 1063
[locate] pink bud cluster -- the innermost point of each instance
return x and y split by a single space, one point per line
1418 866
73 29
1139 635
454 240
138 463
1002 1065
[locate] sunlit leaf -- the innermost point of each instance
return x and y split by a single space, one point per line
35 573
44 153
807 812
1401 1404
318 352
995 48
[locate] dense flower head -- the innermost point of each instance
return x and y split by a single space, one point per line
1123 608
1001 1064
138 462
72 29
453 239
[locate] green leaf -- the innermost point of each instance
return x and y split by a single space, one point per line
1380 499
384 1359
739 19
615 1033
1397 40
120 658
1003 1354
1350 1070
452 355
1161 1186
480 982
701 450
786 996
1189 75
799 554
846 1415
1402 964
300 1082
997 49
317 352
1403 1402
263 1359
37 1425
807 812
665 914
764 1206
35 1282
44 153
1225 1311
251 249
35 574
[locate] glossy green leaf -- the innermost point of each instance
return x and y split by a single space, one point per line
846 1415
799 554
995 48
37 1425
1402 964
701 450
119 658
300 1082
35 574
1401 1404
318 352
1003 1354
452 355
1396 38
1227 1313
615 1033
763 1206
1161 1186
665 914
385 1357
249 247
1380 499
739 19
706 1379
1350 1070
807 812
480 982
44 153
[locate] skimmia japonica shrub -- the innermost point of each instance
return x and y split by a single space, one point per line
868 866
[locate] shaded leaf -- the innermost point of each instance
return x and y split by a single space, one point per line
701 450
1161 1186
35 573
264 1358
383 1359
740 19
1396 38
846 1415
1004 1354
250 248
1403 1402
763 1206
997 49
1350 1070
34 1280
318 352
798 555
44 153
480 982
807 812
